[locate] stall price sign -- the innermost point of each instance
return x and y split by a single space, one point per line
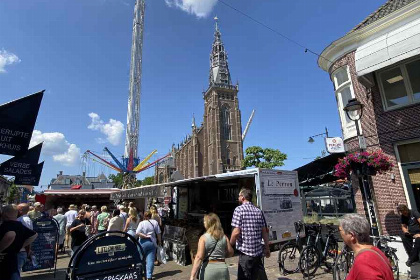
43 248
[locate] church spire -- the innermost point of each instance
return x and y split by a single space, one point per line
219 69
193 126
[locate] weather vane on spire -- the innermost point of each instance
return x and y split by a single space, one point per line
216 19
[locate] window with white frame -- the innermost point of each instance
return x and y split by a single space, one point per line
400 85
344 92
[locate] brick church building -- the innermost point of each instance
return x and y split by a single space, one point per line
378 63
216 145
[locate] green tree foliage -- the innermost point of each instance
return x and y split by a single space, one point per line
263 158
148 181
13 194
116 179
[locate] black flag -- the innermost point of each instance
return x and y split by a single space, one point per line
22 165
17 121
32 180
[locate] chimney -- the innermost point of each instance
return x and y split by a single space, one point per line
61 173
84 174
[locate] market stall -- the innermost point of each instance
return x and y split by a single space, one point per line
275 192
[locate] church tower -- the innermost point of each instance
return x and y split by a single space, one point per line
223 148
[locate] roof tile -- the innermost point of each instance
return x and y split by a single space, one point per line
389 7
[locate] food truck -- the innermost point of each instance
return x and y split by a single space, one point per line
275 192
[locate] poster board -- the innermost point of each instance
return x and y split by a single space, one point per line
43 248
280 202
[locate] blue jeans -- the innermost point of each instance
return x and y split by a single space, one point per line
22 256
149 250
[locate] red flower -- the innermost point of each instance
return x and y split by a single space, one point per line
375 159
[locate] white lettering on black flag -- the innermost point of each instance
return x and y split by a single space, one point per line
17 121
22 165
31 180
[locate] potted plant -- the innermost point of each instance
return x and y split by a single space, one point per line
363 163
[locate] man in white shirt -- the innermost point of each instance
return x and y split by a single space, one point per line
116 223
23 210
71 216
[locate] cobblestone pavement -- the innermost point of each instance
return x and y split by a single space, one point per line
171 270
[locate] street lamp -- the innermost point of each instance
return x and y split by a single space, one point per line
311 139
354 111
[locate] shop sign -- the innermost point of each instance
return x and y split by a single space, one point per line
17 121
114 257
167 200
154 191
334 145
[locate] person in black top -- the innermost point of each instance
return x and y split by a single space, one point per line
410 225
13 237
78 230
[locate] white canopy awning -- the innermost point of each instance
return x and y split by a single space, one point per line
390 48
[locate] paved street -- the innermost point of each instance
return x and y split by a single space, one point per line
171 270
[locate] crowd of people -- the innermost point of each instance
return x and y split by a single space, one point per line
214 246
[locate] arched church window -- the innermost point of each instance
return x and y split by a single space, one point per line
234 161
225 123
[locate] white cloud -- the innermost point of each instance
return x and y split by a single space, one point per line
199 8
70 157
56 145
7 58
113 130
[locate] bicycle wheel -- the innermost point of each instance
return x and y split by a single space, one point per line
289 258
331 255
342 265
309 261
393 260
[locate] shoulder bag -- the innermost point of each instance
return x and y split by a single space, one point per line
161 254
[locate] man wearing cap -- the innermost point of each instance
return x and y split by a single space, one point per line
36 213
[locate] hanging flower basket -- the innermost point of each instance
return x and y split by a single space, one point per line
363 163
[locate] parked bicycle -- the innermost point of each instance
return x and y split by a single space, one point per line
320 252
382 243
345 259
343 263
289 253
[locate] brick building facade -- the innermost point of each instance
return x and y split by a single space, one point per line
378 63
216 145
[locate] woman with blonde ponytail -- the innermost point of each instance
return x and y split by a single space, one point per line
213 248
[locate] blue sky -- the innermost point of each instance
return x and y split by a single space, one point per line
79 51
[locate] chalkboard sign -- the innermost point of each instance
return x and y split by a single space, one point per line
43 248
105 256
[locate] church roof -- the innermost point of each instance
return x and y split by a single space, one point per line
389 7
219 68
